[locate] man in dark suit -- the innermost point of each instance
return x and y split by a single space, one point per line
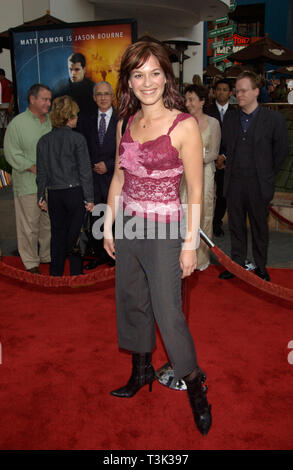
219 109
99 130
255 141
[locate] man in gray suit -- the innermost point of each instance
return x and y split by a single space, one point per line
255 141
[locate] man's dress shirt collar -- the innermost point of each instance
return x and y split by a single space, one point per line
246 119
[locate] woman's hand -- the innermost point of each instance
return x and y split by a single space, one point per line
43 205
89 206
109 247
188 262
220 162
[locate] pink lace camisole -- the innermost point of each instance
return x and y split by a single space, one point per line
152 174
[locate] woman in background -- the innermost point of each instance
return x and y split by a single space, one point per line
195 98
64 170
196 80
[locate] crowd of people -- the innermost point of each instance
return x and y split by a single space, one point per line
207 103
156 152
270 90
58 176
235 105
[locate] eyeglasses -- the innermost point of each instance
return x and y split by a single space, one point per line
243 91
103 94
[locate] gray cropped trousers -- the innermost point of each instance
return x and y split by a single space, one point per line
148 291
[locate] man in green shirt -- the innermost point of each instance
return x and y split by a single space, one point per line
21 138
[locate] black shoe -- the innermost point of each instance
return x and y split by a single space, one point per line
198 401
262 274
226 275
34 270
94 263
142 374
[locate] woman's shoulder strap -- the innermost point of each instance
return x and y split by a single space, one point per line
180 117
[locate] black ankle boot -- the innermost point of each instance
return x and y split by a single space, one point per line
142 373
199 404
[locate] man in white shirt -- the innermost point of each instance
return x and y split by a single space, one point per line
220 108
99 130
103 96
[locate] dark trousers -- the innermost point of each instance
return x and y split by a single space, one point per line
220 207
96 247
101 189
66 211
244 199
148 291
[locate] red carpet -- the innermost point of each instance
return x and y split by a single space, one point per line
60 360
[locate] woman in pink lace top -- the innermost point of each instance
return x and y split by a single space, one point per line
159 143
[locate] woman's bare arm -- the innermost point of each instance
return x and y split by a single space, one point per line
191 154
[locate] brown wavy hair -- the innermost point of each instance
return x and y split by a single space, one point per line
135 57
64 108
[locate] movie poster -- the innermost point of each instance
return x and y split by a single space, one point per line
70 60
